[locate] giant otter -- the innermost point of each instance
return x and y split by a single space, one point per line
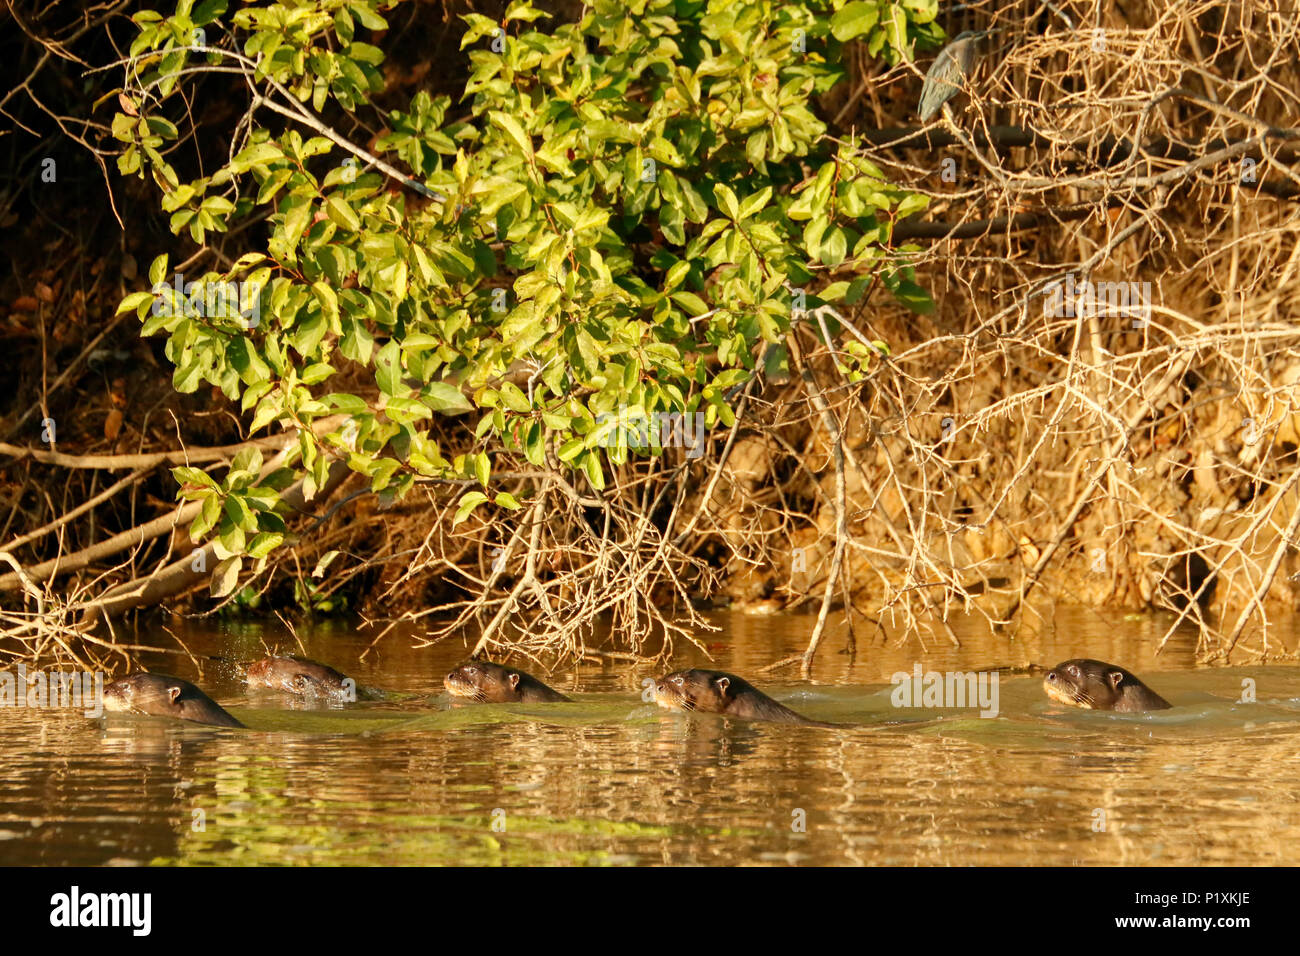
165 697
493 684
297 675
713 692
1096 685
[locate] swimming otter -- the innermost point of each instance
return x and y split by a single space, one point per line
1096 685
493 684
298 675
165 697
713 692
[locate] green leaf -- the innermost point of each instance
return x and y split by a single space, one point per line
206 519
365 13
515 399
185 475
511 127
307 334
257 155
726 200
571 449
186 377
242 356
264 543
342 214
445 398
326 559
406 410
756 202
428 272
854 20
691 302
346 403
388 368
238 512
269 409
134 300
912 202
329 302
245 466
914 297
835 247
157 270
470 501
225 576
297 214
835 291
314 374
229 542
591 465
207 11
357 342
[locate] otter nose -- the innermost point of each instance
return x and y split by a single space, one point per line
1051 677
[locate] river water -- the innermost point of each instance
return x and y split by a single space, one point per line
610 779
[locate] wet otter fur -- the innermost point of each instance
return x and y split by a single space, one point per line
161 696
716 692
1096 685
298 675
487 683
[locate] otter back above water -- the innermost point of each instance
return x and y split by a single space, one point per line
614 777
488 683
1096 685
160 696
298 675
716 692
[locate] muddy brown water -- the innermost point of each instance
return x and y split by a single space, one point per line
610 779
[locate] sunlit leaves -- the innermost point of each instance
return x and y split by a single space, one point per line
629 205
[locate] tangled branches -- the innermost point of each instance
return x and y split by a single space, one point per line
1102 407
1141 446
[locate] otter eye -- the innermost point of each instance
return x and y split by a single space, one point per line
1073 669
677 681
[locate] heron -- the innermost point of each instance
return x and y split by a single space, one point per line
950 68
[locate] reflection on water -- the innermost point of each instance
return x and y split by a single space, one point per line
610 779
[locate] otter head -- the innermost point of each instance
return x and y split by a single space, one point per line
305 686
120 696
1091 685
475 679
703 691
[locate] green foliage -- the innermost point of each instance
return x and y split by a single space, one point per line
312 598
241 510
631 206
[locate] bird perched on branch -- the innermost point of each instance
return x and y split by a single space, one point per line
948 71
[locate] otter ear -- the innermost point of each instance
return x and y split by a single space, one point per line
1114 678
722 683
514 680
173 692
